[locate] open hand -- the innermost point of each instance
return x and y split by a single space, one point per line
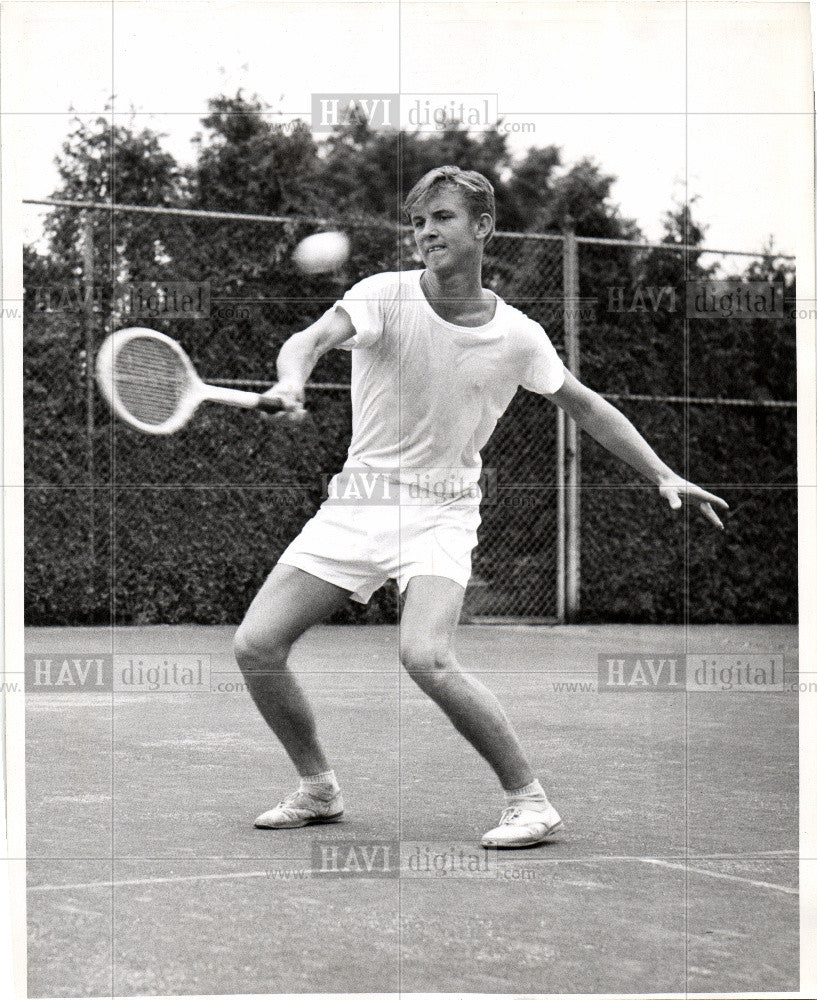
674 489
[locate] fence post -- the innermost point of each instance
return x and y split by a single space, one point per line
560 514
90 348
572 452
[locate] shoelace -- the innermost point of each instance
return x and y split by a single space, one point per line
509 814
290 800
295 799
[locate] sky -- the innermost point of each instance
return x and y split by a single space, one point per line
709 98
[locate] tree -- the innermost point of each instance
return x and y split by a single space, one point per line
246 162
105 162
545 199
369 171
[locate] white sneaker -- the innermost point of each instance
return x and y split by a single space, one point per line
521 827
301 809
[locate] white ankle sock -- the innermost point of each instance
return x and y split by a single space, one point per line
532 796
322 786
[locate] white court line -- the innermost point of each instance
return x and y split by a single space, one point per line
723 875
146 881
230 875
752 856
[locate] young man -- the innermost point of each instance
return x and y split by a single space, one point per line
436 359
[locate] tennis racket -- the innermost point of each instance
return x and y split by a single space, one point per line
150 383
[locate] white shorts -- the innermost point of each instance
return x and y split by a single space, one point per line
360 547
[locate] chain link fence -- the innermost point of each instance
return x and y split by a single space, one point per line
674 341
134 530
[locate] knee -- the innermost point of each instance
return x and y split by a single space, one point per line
425 659
256 651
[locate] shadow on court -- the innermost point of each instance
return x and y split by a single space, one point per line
677 870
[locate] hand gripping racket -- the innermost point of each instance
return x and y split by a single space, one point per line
150 382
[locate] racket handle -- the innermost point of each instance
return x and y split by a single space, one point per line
240 397
269 405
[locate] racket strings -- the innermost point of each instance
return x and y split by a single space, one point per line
151 380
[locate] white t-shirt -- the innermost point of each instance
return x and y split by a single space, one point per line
426 393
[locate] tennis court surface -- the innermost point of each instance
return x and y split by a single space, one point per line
677 870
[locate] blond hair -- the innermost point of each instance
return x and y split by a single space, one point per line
476 189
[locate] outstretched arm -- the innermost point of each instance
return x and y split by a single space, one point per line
613 431
299 355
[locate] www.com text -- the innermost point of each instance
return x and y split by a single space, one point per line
228 687
288 874
591 687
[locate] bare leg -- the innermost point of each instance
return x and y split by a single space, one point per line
289 602
429 621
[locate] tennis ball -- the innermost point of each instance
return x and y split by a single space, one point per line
321 252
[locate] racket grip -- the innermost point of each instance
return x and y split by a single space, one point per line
269 405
